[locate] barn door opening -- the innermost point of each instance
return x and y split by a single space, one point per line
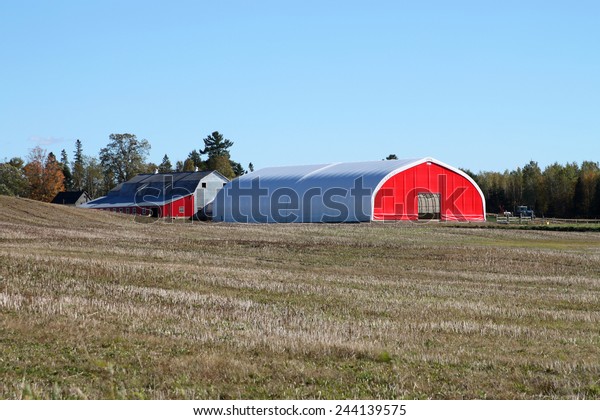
429 206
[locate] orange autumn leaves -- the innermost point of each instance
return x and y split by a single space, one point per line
44 174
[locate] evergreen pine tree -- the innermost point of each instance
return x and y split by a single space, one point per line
78 172
66 170
216 145
165 166
196 160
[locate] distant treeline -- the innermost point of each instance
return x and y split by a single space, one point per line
42 175
563 191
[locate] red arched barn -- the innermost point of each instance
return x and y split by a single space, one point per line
429 190
404 189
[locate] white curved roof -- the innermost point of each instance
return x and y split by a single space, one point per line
372 171
239 197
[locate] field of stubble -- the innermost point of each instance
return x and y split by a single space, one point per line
94 305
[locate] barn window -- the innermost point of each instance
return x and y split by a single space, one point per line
127 210
204 185
133 210
181 209
429 205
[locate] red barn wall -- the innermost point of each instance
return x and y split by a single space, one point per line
173 209
459 198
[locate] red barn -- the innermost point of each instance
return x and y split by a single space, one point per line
405 189
429 190
174 195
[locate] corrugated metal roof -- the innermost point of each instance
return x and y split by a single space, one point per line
152 189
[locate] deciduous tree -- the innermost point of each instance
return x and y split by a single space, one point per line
124 157
596 205
533 188
12 178
93 180
585 189
44 175
188 165
221 164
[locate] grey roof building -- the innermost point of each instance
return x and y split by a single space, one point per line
71 198
176 194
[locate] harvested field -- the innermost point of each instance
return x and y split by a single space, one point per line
95 305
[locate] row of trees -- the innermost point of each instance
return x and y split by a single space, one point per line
569 190
42 176
563 191
40 179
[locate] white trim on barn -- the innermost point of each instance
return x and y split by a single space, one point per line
416 162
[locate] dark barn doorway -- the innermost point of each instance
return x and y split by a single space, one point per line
429 206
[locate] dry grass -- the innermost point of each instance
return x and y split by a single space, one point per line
93 305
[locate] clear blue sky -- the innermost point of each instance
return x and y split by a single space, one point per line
478 84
